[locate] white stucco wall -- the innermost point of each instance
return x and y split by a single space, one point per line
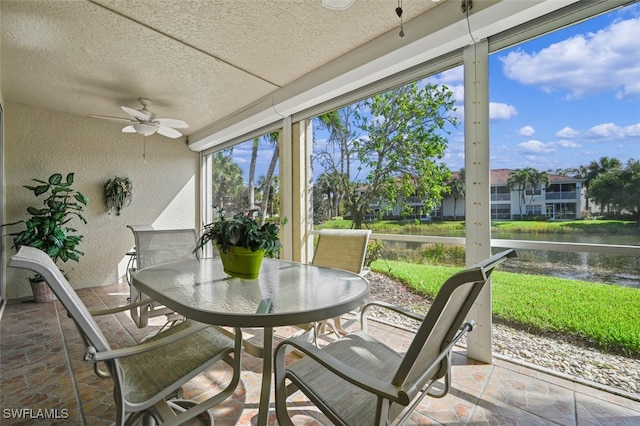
39 142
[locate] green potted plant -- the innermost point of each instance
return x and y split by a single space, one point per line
48 228
117 193
242 242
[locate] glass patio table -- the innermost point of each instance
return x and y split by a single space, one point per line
285 293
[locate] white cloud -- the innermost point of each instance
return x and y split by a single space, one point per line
606 60
499 111
563 143
604 131
458 93
536 147
567 132
526 131
633 130
453 76
611 131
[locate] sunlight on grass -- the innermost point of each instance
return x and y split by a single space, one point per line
605 314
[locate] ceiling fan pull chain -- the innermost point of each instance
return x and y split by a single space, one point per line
399 13
144 149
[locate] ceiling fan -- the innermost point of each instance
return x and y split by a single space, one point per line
144 122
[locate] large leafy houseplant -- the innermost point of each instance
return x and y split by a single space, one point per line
242 242
241 230
48 227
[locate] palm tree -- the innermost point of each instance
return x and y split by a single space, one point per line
457 185
266 190
517 181
325 188
337 165
534 179
274 194
227 181
570 171
252 172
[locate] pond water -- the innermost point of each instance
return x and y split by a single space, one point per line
593 267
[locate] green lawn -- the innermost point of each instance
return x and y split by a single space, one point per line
606 315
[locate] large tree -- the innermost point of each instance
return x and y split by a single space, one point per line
335 155
395 140
328 188
597 168
591 171
619 187
228 189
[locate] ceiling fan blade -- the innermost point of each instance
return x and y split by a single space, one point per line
118 119
171 122
169 132
129 129
135 113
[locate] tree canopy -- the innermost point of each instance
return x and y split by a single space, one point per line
388 147
619 187
228 190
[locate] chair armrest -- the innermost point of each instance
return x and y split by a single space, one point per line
120 308
397 309
192 327
344 371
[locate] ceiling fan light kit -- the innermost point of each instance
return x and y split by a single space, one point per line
337 4
143 129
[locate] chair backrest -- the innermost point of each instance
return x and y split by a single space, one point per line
155 246
342 249
39 262
442 323
135 228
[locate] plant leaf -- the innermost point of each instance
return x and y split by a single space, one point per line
81 198
55 179
39 190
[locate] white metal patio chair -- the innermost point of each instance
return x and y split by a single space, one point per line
341 249
154 246
147 374
357 380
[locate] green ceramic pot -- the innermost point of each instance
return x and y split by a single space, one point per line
241 262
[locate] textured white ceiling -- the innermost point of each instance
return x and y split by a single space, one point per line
198 61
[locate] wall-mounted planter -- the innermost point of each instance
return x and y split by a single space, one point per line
117 194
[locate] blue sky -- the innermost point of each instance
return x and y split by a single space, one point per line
563 99
558 101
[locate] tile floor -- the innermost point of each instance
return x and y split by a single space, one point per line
42 374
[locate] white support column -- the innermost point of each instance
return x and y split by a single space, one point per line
206 199
477 187
286 188
302 187
307 154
